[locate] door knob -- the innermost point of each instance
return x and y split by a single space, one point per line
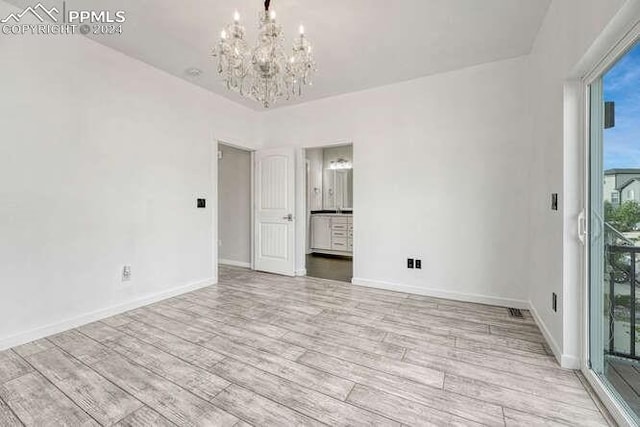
288 217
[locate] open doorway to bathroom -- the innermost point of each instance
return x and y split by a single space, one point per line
329 212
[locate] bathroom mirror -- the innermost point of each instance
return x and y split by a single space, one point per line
337 178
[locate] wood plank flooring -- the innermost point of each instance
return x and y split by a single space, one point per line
259 349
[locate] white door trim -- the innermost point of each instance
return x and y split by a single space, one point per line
301 213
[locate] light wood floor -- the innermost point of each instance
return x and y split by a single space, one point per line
264 350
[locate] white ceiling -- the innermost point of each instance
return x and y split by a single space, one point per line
358 44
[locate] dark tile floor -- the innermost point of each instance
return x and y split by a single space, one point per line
330 267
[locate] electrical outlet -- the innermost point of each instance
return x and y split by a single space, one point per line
419 264
554 302
126 273
201 203
409 262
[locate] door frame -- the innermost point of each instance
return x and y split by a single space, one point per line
301 202
618 37
215 178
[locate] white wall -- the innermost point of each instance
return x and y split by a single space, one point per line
101 160
234 202
440 173
569 29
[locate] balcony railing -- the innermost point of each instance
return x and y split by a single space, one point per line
623 268
615 237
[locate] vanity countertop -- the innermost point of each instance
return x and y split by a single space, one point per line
332 213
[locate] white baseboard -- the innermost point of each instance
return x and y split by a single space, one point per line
302 272
438 293
234 263
83 319
570 362
565 360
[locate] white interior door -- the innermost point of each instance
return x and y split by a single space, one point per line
275 207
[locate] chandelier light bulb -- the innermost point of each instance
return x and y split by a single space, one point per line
223 35
236 16
301 30
272 15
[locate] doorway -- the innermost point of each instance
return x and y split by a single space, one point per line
329 212
614 237
234 206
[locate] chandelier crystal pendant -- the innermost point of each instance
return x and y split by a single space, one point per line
265 73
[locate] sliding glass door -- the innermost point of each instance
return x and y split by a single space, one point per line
614 219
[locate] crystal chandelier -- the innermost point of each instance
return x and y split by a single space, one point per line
264 73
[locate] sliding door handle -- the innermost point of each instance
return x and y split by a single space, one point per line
289 217
582 227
